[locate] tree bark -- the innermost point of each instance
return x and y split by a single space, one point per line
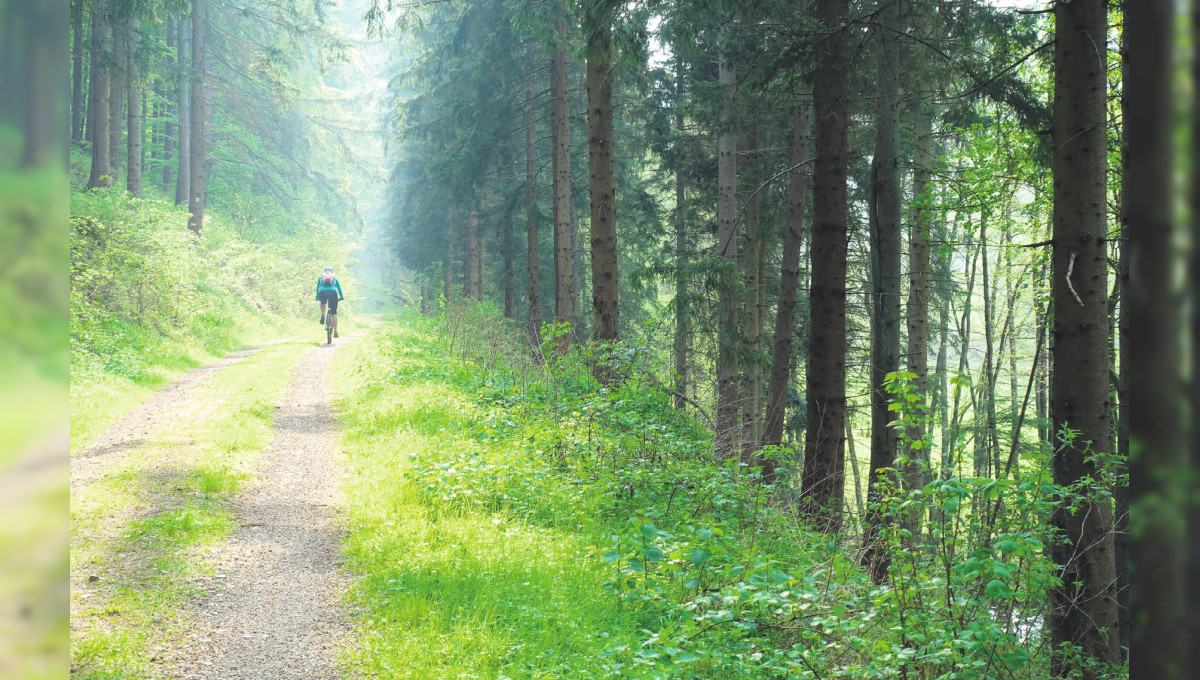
751 402
564 238
1157 420
789 286
116 95
885 277
531 228
133 89
918 468
183 172
1083 608
1041 313
44 61
198 115
77 71
101 174
472 258
168 127
603 187
683 331
823 479
727 388
1121 539
448 263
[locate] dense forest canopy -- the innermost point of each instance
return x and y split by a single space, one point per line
876 252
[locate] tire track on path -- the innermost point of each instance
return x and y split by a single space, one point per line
276 612
172 403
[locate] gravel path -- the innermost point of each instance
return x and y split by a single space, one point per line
166 406
274 609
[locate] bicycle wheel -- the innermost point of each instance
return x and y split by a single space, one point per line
328 331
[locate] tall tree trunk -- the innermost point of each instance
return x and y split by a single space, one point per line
823 480
44 60
1156 397
918 469
1083 608
751 402
508 280
727 388
941 367
603 186
789 285
116 95
448 262
1042 381
987 387
683 331
1121 541
183 173
199 118
89 92
964 340
1192 557
531 225
853 455
133 124
885 277
101 174
564 237
474 256
168 127
77 71
480 258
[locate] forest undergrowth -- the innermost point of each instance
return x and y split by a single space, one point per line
150 300
511 517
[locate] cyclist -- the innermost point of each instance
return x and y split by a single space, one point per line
329 291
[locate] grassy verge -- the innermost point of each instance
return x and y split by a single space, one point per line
499 527
513 519
139 534
453 591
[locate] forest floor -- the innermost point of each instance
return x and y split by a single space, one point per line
205 535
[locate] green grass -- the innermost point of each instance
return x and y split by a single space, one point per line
456 589
99 397
513 520
142 528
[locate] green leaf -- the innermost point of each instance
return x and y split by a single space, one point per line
685 657
612 557
998 589
701 555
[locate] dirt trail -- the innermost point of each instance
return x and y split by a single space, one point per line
170 404
274 610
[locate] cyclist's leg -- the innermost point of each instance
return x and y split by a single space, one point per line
322 311
333 305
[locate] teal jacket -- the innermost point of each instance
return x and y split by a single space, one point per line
336 286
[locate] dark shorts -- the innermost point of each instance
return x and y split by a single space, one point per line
331 297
